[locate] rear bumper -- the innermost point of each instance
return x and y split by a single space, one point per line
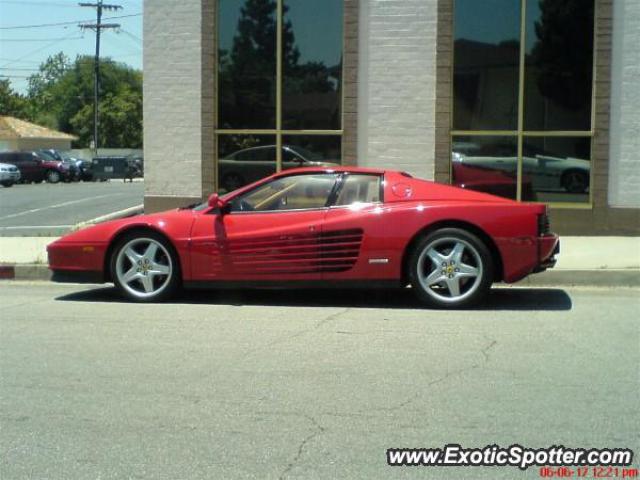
548 248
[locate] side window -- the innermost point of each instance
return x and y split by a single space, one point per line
360 189
289 193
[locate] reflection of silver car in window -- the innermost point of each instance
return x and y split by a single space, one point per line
251 164
546 172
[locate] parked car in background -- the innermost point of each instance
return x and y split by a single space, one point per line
489 180
251 164
9 174
86 171
547 172
58 156
35 168
117 166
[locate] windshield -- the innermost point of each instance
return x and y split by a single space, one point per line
47 155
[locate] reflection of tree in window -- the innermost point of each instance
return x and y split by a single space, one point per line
248 73
560 63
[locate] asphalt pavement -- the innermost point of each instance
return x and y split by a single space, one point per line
53 209
306 384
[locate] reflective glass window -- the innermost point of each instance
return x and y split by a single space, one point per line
486 60
559 65
312 64
247 64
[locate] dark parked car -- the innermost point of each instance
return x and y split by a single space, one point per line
86 170
117 166
34 168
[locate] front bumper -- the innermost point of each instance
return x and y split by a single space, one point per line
10 177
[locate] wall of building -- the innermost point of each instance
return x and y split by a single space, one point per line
397 84
178 123
624 166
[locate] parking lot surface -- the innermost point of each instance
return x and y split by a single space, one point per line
307 384
52 209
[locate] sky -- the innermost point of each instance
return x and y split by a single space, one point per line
23 49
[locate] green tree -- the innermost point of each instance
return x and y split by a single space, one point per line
11 102
62 97
563 52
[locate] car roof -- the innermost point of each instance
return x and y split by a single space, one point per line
337 169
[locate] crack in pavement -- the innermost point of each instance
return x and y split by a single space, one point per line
485 353
302 332
319 430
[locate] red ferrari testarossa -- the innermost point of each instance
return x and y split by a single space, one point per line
319 227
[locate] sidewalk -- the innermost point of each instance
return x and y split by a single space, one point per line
597 261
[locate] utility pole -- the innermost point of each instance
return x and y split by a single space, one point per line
98 27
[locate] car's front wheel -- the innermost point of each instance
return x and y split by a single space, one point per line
7 184
145 268
451 268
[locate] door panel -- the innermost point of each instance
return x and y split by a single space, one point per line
378 256
258 246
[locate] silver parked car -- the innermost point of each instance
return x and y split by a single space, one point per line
251 164
9 174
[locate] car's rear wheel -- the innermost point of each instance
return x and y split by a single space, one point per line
53 176
451 268
145 268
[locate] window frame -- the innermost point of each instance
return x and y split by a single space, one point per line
278 131
520 133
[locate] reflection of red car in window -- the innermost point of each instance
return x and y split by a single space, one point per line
489 180
320 226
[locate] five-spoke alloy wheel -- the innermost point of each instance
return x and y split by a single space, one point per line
451 268
144 267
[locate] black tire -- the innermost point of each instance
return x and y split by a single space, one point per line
53 176
232 181
7 184
174 280
431 283
575 181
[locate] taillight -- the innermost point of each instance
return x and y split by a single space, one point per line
544 227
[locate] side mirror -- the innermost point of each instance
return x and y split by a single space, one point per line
216 202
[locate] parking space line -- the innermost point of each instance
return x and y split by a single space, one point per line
64 204
27 227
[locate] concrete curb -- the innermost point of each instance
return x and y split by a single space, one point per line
551 278
584 278
127 212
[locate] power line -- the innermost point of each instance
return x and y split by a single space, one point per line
59 24
40 4
40 39
98 27
37 50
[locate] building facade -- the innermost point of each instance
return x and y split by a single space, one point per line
535 100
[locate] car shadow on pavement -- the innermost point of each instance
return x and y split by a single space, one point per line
550 299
